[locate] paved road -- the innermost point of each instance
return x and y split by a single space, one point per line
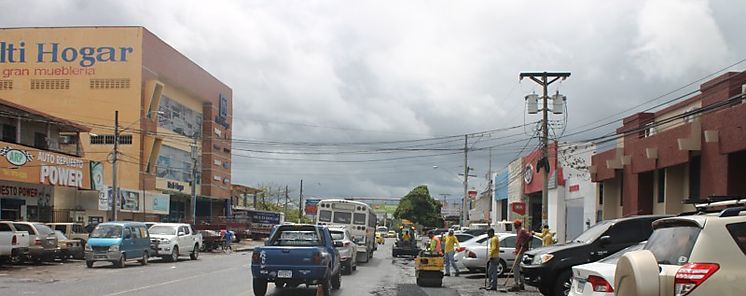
216 275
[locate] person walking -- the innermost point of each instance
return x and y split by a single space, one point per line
227 240
451 243
523 239
494 259
434 243
547 238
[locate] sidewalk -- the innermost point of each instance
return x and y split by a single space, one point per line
247 245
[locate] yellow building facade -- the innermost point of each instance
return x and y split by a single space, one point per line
166 104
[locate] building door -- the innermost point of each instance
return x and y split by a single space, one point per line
573 219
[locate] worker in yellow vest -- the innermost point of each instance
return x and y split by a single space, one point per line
451 243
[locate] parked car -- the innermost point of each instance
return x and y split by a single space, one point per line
118 242
69 248
170 240
550 268
347 252
13 244
71 230
699 254
297 254
391 234
476 256
461 251
42 241
462 237
597 278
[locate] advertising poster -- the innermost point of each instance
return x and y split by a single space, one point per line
312 206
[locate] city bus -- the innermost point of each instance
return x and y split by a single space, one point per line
359 218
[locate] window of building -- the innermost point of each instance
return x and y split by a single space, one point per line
621 190
50 83
109 140
117 83
40 141
6 84
178 118
661 185
174 164
9 133
601 193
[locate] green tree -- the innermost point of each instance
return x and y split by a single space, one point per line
419 207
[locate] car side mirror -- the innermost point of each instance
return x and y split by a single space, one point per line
604 240
181 233
338 244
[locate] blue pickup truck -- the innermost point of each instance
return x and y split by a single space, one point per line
295 255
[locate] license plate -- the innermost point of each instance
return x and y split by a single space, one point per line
100 257
579 285
285 274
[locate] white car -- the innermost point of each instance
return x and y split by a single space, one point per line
171 240
347 253
460 252
597 278
476 256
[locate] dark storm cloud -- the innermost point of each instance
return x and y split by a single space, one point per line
371 71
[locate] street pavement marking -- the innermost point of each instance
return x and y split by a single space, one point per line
170 282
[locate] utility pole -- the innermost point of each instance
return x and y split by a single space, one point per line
464 213
195 157
286 198
491 187
114 155
300 202
543 79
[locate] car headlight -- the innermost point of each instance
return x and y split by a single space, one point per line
88 247
114 248
541 259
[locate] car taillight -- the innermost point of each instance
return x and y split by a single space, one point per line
37 242
599 284
691 275
14 240
460 249
347 244
471 254
316 258
255 257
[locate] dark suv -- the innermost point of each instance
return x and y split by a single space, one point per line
550 268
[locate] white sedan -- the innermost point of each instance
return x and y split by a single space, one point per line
476 256
461 251
597 278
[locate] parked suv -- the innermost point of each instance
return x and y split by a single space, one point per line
169 240
699 254
550 268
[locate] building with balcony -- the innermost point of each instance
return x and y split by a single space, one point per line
167 106
695 148
43 175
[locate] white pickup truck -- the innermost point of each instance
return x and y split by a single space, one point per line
170 240
13 244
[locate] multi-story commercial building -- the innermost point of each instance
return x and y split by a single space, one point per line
166 103
695 148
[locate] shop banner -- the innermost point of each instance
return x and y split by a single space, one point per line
21 190
31 165
157 203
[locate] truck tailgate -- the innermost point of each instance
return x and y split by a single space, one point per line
288 256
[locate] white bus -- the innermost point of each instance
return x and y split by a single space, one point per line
357 217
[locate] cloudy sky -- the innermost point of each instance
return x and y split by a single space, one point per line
361 98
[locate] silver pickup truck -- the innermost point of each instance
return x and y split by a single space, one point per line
13 244
171 240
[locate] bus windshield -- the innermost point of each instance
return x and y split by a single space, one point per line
342 217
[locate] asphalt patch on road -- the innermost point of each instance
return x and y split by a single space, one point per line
414 290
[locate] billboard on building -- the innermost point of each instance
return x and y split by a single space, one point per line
501 184
312 206
34 166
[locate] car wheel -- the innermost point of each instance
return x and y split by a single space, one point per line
260 287
563 284
144 260
195 253
89 264
174 254
336 281
121 262
501 268
347 268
